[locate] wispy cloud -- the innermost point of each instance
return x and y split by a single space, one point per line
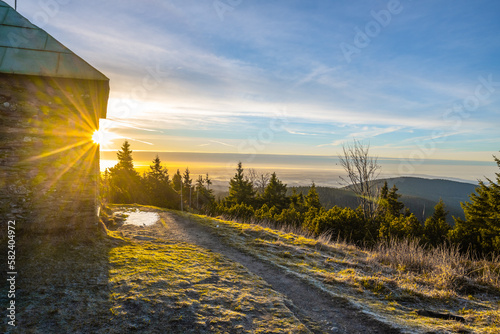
221 143
370 132
436 136
111 123
366 133
215 76
300 133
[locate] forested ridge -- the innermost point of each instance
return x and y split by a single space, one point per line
265 198
418 194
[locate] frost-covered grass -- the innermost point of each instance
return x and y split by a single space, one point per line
391 283
182 288
116 285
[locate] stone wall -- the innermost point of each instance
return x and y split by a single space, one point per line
49 165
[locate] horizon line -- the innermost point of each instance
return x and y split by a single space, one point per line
294 155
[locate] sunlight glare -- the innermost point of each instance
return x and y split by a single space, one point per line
102 137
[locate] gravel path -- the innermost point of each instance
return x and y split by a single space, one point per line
320 313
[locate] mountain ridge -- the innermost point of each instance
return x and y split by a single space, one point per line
420 195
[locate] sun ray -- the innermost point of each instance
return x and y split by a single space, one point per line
82 163
59 150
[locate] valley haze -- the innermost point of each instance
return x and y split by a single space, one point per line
302 170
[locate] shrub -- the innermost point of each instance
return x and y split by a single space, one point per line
241 211
289 217
400 228
343 222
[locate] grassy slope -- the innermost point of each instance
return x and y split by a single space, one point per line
119 286
112 285
390 294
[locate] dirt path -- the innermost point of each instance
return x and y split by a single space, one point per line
320 313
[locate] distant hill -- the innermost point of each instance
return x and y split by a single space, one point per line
329 197
418 194
421 195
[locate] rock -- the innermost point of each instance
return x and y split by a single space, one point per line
138 237
445 316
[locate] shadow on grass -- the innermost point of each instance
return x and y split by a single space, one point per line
61 284
110 284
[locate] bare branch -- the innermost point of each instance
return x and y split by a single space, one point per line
259 181
362 170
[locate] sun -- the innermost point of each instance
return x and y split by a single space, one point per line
102 137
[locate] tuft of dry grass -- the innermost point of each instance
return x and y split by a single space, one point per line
444 267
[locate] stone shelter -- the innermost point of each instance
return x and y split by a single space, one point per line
51 101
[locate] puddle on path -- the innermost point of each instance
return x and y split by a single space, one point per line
139 218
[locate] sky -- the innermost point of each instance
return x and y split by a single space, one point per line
416 80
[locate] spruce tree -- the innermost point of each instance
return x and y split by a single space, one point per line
208 181
158 172
104 186
275 193
187 186
200 184
204 196
125 160
159 189
394 206
312 198
384 191
240 188
436 228
313 208
124 181
383 204
177 181
297 201
481 227
186 178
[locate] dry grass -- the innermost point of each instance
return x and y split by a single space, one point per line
182 288
444 267
390 282
116 285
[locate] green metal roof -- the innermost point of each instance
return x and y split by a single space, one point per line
29 50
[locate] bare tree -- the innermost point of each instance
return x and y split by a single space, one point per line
362 170
259 181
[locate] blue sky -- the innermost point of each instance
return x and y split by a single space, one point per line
414 79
